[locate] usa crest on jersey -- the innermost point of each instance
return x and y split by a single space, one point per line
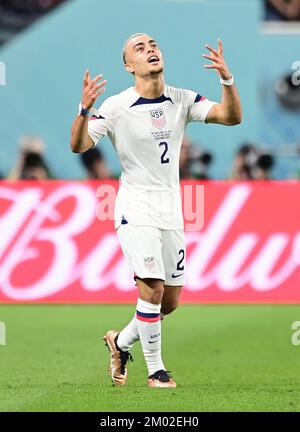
158 118
149 262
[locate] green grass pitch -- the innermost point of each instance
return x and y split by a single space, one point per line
224 358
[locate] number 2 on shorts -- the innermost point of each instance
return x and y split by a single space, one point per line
180 266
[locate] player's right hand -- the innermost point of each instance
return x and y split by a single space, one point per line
91 89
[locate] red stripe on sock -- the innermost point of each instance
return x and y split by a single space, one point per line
148 319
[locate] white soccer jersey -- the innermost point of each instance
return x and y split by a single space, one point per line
147 135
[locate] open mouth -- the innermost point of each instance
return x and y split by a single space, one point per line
153 59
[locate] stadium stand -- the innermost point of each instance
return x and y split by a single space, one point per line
16 15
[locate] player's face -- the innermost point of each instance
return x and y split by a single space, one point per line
143 57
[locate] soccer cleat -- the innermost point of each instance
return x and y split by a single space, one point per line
161 379
118 359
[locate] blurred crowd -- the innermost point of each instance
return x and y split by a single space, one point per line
31 162
249 163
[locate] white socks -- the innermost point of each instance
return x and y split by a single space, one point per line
128 336
146 326
149 329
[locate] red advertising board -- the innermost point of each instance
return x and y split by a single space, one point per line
54 249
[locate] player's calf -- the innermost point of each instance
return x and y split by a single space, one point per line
170 299
167 308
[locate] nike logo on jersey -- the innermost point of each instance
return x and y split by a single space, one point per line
153 341
176 276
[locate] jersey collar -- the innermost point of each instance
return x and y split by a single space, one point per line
142 101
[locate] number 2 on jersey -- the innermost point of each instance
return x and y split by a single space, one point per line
163 158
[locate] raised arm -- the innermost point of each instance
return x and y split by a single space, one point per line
80 140
229 111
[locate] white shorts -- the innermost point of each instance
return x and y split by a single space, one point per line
154 253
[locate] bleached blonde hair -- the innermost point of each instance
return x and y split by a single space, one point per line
126 42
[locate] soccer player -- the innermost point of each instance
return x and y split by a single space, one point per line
145 124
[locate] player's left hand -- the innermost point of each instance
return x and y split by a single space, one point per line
218 62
